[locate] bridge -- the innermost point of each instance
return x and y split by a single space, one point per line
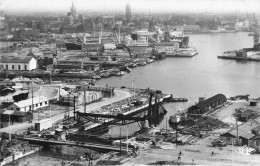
43 141
95 117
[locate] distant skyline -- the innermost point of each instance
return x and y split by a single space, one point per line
137 6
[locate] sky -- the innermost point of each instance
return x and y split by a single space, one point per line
27 6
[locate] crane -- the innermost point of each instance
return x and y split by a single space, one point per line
130 51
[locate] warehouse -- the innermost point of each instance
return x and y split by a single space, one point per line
14 117
18 63
206 105
25 105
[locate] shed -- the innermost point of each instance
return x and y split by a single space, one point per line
15 116
205 105
25 105
244 132
43 124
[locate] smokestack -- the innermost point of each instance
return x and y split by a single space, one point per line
201 99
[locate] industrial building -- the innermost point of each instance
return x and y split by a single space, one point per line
18 63
205 105
243 134
25 105
14 116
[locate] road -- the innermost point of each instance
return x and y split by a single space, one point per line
20 127
200 152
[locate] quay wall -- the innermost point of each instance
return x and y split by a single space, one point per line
18 155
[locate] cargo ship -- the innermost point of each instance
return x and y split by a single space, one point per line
176 44
181 52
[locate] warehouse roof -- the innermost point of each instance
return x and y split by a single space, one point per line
13 112
25 103
16 59
211 100
244 130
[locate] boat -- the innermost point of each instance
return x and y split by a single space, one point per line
137 43
125 68
96 77
148 61
160 55
104 75
142 63
132 65
120 73
181 52
73 46
178 100
222 30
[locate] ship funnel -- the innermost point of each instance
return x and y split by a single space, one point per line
201 99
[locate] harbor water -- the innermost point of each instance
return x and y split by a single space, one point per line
202 75
199 76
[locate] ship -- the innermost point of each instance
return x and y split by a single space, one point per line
222 30
72 46
138 41
181 52
175 44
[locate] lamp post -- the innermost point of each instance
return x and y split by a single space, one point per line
120 142
50 77
9 112
50 109
68 106
127 139
176 121
237 130
9 129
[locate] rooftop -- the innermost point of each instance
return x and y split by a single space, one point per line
15 59
28 102
245 130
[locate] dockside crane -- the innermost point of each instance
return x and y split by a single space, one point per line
131 52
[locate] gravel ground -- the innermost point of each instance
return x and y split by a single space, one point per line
200 153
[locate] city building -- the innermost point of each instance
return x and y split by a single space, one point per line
128 12
2 18
73 10
18 63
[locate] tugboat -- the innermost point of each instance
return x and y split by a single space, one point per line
148 61
96 77
132 65
120 73
142 63
125 68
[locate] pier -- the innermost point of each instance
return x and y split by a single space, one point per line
178 100
151 110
